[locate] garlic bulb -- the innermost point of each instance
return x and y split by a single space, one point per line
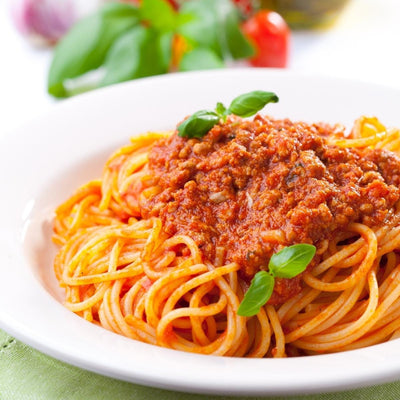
44 21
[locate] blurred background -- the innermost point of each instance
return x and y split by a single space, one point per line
53 49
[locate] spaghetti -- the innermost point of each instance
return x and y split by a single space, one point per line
144 254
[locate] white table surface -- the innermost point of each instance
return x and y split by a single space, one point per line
363 44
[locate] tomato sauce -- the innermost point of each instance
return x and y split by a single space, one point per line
246 179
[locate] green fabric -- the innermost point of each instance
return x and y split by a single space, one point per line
26 374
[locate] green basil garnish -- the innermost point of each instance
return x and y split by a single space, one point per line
291 261
248 104
221 110
287 263
259 292
244 105
198 123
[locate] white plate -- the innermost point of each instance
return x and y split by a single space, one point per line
43 162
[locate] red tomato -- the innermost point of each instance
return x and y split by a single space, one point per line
270 34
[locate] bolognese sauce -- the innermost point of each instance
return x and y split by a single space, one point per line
250 187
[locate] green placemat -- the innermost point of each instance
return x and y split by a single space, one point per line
27 374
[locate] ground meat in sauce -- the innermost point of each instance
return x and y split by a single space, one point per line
248 177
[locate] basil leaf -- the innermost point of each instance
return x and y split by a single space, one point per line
214 25
198 124
184 18
200 58
248 104
85 46
164 44
136 54
291 261
198 24
259 292
221 110
231 36
159 13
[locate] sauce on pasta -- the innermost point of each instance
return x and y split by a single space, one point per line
248 188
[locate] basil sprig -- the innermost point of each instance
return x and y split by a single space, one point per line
287 263
198 123
122 41
86 45
245 105
248 104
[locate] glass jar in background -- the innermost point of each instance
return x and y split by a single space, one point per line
306 14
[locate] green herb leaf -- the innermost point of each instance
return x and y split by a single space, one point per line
287 263
250 103
136 54
244 106
200 58
259 292
231 36
164 45
214 25
198 24
198 124
221 110
291 261
159 14
85 46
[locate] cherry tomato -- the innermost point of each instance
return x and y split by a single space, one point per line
270 34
